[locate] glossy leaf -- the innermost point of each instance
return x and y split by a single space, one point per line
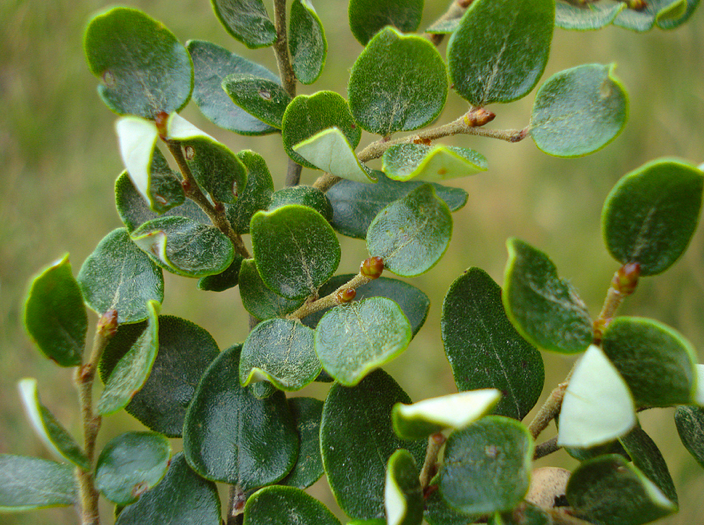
307 42
256 194
485 350
354 339
515 37
650 215
487 466
431 163
367 17
131 464
305 196
439 512
403 497
544 308
410 94
647 457
225 280
285 505
412 233
247 21
119 276
259 300
132 80
307 413
232 437
690 427
32 483
579 111
592 15
295 250
54 315
262 98
356 440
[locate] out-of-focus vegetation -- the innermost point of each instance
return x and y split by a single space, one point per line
59 160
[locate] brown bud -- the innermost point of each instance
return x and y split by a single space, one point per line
478 117
637 5
424 142
346 295
107 324
372 267
625 279
161 120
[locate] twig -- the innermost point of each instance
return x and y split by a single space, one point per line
549 410
623 284
435 443
333 299
561 516
546 448
455 11
235 506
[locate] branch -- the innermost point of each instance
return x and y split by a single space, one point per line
435 443
237 500
623 284
545 449
455 11
549 410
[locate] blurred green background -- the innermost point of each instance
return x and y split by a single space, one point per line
59 160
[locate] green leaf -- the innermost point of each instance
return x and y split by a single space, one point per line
185 351
674 16
439 512
279 351
412 233
369 16
650 215
119 276
485 350
690 427
133 78
54 315
295 250
515 40
590 16
671 12
610 491
403 497
222 281
32 483
132 370
307 115
256 194
285 505
431 163
212 64
185 247
355 205
524 514
357 439
131 464
307 42
307 413
232 437
181 497
444 27
420 420
657 363
305 196
579 111
354 339
247 21
262 98
259 300
410 94
545 309
487 466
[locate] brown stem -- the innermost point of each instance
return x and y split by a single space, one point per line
333 299
288 78
237 500
549 410
435 443
546 448
455 11
623 284
326 181
561 516
293 175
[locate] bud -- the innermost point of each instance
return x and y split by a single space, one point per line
478 117
107 324
626 278
346 295
161 120
372 267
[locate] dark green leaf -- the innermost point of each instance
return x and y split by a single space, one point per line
690 427
523 514
286 505
133 78
225 280
647 457
650 215
54 314
307 42
592 15
32 483
259 300
431 163
403 496
439 512
256 195
307 413
260 97
305 196
369 16
247 21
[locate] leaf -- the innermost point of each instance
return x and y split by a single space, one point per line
544 308
256 194
295 250
674 16
279 351
119 276
515 37
181 497
259 300
431 163
439 512
523 514
487 466
212 64
307 413
690 427
579 111
225 280
132 79
32 483
610 491
354 339
672 12
54 315
485 350
367 16
356 440
232 437
305 196
597 407
307 115
284 505
588 16
410 94
185 247
307 42
132 370
262 98
403 497
412 233
247 21
650 215
185 351
657 363
131 464
355 205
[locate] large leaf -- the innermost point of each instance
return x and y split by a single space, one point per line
690 427
307 413
32 483
305 196
369 16
225 280
256 194
403 497
286 505
431 163
259 300
307 42
647 457
263 98
247 21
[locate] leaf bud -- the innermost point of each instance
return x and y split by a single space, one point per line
346 295
478 117
107 324
626 278
372 267
161 120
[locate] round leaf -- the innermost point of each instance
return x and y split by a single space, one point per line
305 196
369 16
307 413
285 505
439 512
690 427
33 483
671 12
403 497
263 98
225 280
431 163
589 16
306 42
259 300
256 194
247 21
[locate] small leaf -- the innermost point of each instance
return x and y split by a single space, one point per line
305 196
369 16
256 194
431 163
54 315
131 464
545 309
412 233
119 276
307 413
225 280
307 42
649 217
588 16
672 12
354 339
295 250
262 98
579 111
403 497
690 427
523 514
259 300
285 505
133 78
32 483
674 16
247 21
410 94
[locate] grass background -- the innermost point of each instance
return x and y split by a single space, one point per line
58 162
